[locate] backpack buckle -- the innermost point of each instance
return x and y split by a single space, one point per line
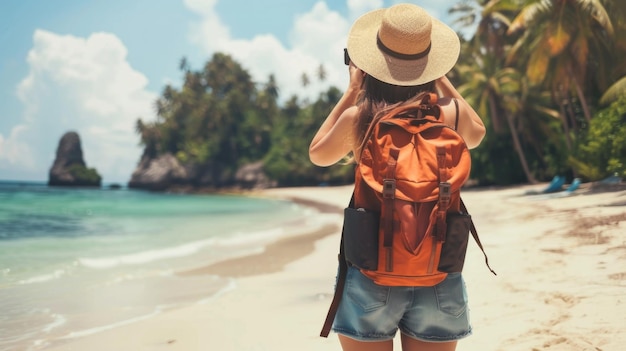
444 194
389 188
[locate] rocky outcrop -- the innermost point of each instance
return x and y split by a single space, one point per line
158 173
252 176
69 168
165 172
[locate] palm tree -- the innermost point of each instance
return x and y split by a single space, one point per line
489 83
466 11
489 43
614 92
495 92
321 73
493 21
183 64
271 88
536 122
559 39
305 80
614 85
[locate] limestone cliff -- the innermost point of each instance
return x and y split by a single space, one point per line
165 172
69 168
158 173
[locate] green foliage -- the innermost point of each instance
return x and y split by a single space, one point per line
288 161
84 175
495 162
602 151
220 120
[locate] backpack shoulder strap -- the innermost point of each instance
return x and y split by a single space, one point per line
341 282
456 120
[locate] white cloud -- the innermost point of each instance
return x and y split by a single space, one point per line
81 84
202 7
359 7
15 151
317 38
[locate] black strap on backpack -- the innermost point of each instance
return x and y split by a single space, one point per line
456 120
476 239
389 196
341 282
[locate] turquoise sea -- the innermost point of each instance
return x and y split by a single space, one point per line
74 262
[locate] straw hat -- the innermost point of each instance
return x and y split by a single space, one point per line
403 45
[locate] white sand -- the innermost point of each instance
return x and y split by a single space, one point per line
561 285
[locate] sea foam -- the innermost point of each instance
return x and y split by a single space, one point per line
238 240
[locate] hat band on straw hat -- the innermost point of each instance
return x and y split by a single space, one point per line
399 55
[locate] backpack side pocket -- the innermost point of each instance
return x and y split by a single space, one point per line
361 237
454 248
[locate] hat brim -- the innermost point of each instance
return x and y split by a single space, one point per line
365 54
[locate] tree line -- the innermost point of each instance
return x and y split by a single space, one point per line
547 77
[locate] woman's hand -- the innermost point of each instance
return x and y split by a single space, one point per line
356 77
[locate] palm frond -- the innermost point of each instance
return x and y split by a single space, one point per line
595 9
501 18
558 38
614 92
460 7
530 14
494 6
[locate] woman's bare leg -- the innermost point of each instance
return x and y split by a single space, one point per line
348 344
410 344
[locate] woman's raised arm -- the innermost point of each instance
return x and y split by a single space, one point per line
335 137
470 125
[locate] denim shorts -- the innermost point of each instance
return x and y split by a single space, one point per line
371 312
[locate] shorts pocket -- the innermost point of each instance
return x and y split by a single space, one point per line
451 295
364 292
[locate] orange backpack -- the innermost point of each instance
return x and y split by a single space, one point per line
411 172
406 224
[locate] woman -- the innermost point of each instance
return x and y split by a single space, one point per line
396 56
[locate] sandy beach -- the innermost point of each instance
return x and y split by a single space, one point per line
561 281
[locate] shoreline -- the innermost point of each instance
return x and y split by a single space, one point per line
276 254
273 259
560 282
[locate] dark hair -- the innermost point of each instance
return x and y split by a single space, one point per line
377 98
379 92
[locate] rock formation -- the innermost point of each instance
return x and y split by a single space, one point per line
165 172
252 176
158 173
69 168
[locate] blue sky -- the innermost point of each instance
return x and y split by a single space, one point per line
95 66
